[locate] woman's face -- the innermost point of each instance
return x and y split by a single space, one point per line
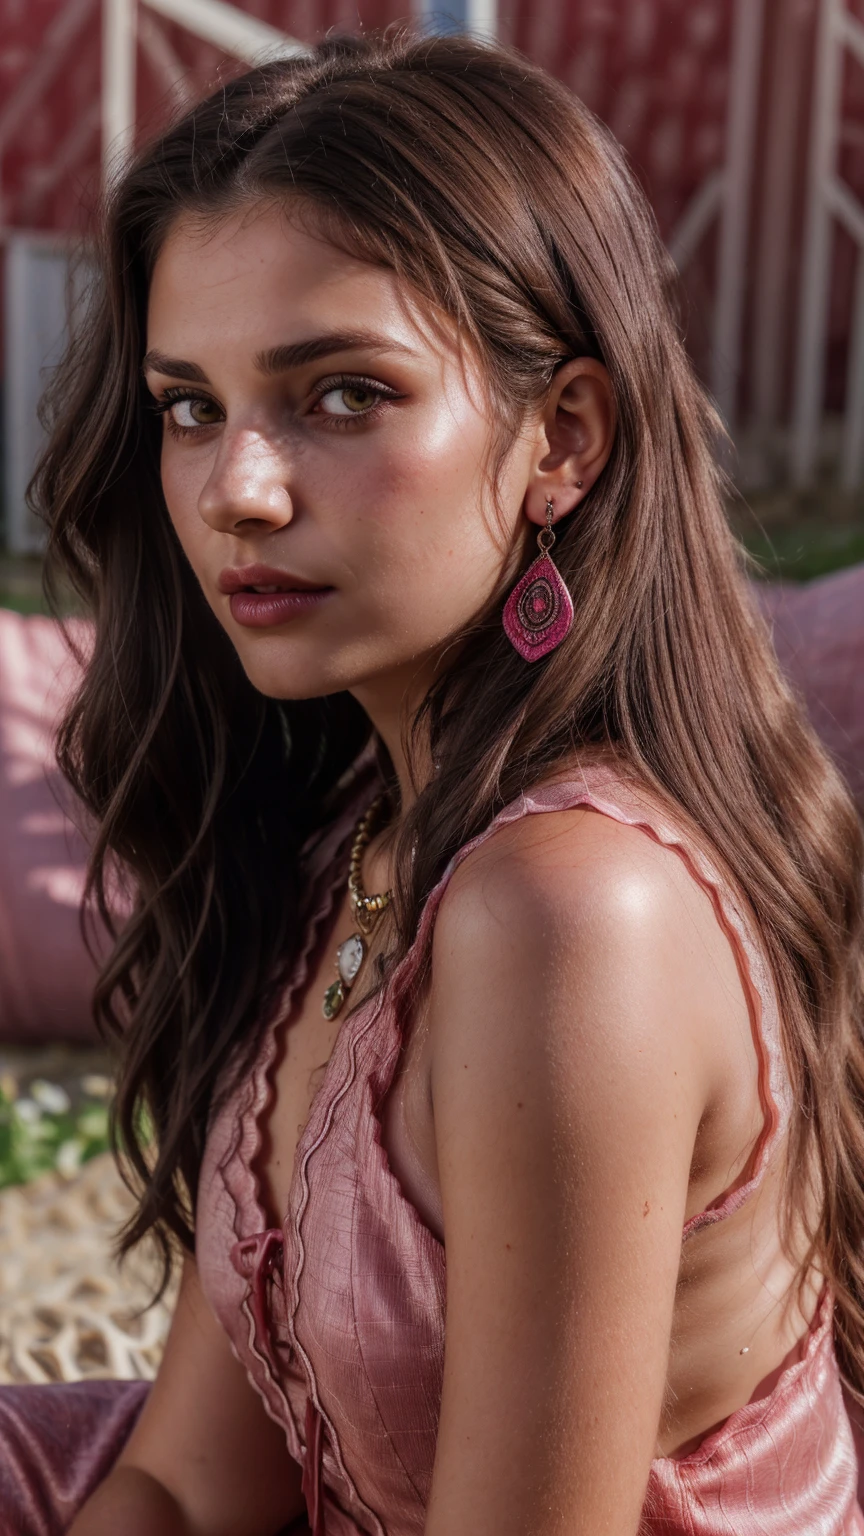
318 433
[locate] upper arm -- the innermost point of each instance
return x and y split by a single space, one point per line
204 1433
569 1078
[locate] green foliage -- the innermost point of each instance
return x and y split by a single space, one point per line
44 1131
22 602
808 550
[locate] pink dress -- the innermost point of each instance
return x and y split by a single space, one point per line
338 1315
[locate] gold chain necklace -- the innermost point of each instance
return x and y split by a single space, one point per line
367 910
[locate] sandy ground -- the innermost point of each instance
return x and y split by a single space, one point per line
67 1311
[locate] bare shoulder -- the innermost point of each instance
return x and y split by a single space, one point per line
590 917
577 874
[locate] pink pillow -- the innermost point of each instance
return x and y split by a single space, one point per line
818 633
46 975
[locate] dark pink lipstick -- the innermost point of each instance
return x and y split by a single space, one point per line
261 596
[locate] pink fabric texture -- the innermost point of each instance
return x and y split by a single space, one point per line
338 1316
42 854
781 1465
57 1443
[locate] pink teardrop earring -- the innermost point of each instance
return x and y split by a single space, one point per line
539 610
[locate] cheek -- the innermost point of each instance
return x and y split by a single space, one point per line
182 483
420 491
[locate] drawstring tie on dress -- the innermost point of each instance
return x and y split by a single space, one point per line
255 1258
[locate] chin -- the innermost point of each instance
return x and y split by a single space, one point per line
285 685
290 677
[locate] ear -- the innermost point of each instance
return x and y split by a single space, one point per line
574 438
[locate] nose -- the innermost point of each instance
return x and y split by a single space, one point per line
246 490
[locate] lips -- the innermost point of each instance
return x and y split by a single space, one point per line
261 597
250 578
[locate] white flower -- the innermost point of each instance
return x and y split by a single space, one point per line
96 1085
94 1122
68 1159
28 1111
50 1096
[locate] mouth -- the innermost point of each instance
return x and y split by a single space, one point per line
261 597
265 580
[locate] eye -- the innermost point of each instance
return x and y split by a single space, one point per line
194 411
343 399
350 399
187 415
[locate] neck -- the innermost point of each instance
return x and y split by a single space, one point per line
392 703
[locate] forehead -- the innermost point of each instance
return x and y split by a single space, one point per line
257 272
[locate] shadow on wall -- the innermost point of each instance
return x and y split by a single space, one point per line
46 975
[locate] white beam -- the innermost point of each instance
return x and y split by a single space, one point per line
850 213
735 223
816 265
695 221
847 208
772 296
482 17
852 452
852 33
118 84
171 70
226 27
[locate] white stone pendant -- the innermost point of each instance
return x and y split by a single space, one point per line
349 957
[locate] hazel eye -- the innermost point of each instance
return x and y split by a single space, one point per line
195 412
350 400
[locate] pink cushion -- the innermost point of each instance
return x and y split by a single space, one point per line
45 973
819 637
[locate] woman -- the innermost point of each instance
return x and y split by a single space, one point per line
423 652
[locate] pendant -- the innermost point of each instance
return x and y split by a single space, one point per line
349 958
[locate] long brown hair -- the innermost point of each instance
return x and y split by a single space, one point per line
489 188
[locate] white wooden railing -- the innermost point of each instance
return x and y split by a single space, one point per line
227 28
829 199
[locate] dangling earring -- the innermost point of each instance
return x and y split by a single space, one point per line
539 610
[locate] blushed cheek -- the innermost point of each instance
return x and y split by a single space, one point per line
426 483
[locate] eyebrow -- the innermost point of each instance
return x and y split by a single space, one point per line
173 367
281 359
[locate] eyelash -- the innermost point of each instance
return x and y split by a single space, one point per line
176 395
